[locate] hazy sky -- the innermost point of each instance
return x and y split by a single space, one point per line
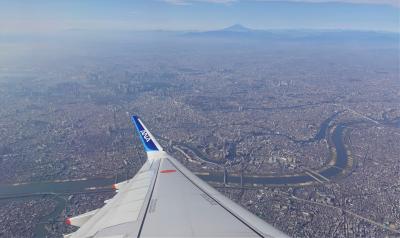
55 15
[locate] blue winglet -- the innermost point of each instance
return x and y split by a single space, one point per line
145 136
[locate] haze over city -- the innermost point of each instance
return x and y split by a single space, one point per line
289 108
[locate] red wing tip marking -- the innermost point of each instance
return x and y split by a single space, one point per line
114 187
165 171
68 221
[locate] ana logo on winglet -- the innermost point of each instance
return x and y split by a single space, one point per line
145 135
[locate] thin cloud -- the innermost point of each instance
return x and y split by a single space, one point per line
385 2
189 2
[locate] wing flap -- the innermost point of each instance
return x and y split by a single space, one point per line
122 214
81 219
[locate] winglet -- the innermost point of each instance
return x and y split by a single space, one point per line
149 142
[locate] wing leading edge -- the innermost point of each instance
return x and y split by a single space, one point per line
164 199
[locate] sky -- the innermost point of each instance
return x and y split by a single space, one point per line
197 15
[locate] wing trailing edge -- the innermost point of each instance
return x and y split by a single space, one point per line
80 219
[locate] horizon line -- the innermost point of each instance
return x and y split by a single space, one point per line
204 30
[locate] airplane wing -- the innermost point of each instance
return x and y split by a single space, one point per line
164 199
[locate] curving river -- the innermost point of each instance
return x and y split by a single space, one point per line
340 162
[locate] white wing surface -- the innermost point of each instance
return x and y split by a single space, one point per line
165 199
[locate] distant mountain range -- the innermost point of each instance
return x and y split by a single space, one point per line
237 28
238 31
234 30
